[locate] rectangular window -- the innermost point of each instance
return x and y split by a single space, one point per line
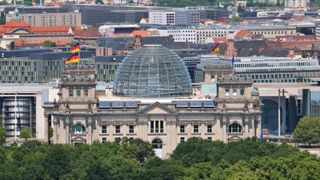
195 128
70 92
161 126
152 126
210 138
156 126
78 92
209 128
104 129
117 129
86 92
104 140
131 129
182 139
182 128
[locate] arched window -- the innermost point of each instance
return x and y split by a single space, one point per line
157 144
234 128
78 129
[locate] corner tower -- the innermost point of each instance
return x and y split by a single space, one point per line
77 89
73 115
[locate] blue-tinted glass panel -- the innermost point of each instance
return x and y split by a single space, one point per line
208 103
132 104
104 104
182 103
117 104
195 103
315 103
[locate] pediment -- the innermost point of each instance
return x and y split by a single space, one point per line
157 108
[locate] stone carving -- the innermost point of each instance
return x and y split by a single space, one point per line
246 106
67 108
256 104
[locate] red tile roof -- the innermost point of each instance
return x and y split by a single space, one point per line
220 40
90 32
13 23
60 29
242 34
140 33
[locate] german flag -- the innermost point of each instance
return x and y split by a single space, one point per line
75 48
74 58
215 49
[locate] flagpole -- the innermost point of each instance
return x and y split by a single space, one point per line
79 57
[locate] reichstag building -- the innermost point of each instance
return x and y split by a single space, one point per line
152 99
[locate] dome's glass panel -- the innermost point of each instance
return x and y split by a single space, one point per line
152 71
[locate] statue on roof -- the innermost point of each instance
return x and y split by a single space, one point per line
16 15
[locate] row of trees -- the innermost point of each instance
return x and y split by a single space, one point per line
25 133
135 159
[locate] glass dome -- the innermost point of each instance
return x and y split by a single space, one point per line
152 71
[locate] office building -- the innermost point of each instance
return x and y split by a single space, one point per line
21 107
49 19
277 69
183 17
311 102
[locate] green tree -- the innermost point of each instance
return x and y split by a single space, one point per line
138 149
99 2
2 18
158 169
50 133
197 150
2 136
308 130
25 133
27 2
305 54
48 43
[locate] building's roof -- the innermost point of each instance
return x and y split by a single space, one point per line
22 52
111 59
242 34
90 32
13 25
126 43
140 33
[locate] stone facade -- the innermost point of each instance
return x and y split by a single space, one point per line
79 117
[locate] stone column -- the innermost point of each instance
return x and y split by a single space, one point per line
55 130
46 128
224 128
67 130
89 135
246 126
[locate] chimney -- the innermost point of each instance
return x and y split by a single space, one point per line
137 42
231 49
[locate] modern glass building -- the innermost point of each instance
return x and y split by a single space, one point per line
41 70
152 71
310 103
277 70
